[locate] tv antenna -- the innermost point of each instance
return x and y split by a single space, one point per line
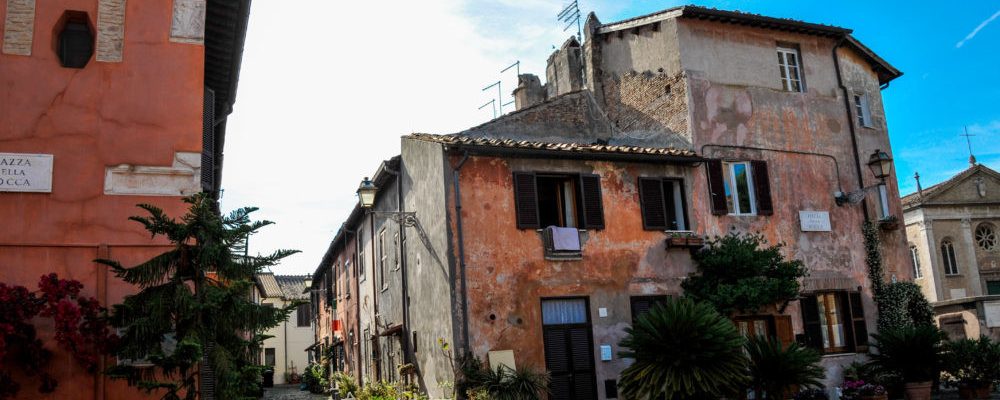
491 103
571 15
499 96
516 64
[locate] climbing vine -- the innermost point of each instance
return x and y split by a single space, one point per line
900 304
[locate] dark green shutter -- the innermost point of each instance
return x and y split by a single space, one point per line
717 187
858 322
593 205
652 204
208 141
762 187
526 200
810 322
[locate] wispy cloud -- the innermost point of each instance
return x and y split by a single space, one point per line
976 31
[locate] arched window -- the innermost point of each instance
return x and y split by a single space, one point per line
915 256
948 254
986 236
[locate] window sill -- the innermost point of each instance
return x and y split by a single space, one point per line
743 215
564 256
952 275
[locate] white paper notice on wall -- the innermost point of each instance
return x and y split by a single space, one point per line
814 221
992 311
25 172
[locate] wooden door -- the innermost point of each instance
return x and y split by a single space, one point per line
569 349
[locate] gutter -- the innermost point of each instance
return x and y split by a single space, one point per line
850 122
456 171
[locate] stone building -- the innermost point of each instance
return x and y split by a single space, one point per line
952 230
107 105
286 351
535 239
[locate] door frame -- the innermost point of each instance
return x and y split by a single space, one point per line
588 325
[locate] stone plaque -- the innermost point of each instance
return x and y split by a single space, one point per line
110 30
188 22
19 27
25 172
814 221
992 311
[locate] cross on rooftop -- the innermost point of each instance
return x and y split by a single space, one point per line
972 158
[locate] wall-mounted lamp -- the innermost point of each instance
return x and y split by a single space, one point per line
366 197
880 164
366 193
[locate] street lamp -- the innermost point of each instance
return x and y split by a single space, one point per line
366 193
880 164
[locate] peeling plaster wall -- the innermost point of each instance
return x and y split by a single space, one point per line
141 111
508 274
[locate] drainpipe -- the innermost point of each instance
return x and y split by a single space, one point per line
405 295
850 122
461 250
375 293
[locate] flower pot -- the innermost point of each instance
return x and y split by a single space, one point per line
917 390
966 391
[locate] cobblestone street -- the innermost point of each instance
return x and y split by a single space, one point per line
290 392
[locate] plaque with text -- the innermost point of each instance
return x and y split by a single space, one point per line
25 172
814 221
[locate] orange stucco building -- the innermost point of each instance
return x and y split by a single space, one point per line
105 104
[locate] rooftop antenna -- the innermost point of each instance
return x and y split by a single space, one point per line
493 103
516 64
570 15
499 96
972 158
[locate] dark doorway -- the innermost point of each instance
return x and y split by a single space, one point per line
569 349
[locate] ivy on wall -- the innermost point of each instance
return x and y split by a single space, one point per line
900 304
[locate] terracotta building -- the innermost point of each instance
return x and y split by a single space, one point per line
952 230
106 104
536 238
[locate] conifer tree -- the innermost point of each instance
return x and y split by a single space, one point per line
199 296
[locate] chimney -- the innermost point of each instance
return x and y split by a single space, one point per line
564 72
529 91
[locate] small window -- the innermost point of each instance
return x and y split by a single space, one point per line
915 257
739 189
642 304
361 259
754 326
789 65
396 260
948 255
76 40
347 278
561 200
383 258
834 322
662 204
564 311
986 237
862 110
992 287
269 358
883 202
304 315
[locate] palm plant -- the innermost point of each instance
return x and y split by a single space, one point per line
683 350
502 382
973 362
913 353
775 368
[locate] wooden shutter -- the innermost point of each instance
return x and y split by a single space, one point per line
208 141
717 187
526 200
582 350
810 322
652 204
783 329
593 206
858 323
762 187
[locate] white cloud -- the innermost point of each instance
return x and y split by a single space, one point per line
976 31
327 88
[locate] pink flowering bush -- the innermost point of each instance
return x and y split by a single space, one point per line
857 389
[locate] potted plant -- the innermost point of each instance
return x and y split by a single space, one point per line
775 369
973 365
684 239
914 353
811 394
861 390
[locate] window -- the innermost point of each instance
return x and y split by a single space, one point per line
862 110
753 326
662 204
347 278
562 200
883 202
361 259
383 255
915 257
948 255
789 66
992 287
642 304
396 260
303 314
269 358
986 236
739 188
834 322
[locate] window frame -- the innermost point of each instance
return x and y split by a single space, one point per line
299 316
915 258
949 259
382 259
851 317
680 200
783 51
862 107
572 180
362 275
731 186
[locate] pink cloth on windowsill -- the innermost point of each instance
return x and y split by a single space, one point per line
565 239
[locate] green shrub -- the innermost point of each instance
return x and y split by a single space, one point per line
345 384
973 362
902 304
774 368
502 383
912 353
315 378
683 350
741 273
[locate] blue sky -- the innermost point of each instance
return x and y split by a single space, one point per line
328 87
944 88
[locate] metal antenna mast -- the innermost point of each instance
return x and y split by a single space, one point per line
494 104
499 95
516 64
570 15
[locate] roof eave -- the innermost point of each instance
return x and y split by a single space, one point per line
574 155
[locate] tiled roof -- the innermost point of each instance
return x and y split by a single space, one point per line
595 148
293 286
268 285
917 198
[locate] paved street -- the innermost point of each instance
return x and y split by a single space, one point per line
290 392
